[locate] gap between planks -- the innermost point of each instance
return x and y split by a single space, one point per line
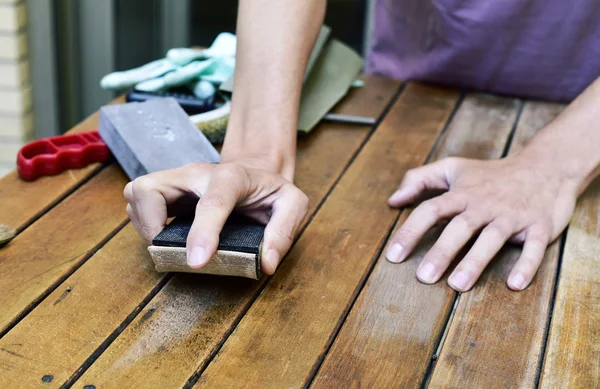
532 377
435 110
542 359
34 303
363 281
448 324
452 146
192 380
384 96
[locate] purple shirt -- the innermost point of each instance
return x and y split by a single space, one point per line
548 49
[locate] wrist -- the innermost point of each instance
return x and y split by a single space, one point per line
274 159
554 165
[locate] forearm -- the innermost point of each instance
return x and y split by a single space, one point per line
274 42
571 143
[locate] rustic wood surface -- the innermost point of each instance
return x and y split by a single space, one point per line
304 302
573 352
494 331
394 327
160 336
83 306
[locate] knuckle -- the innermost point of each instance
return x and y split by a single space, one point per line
470 222
406 234
214 200
452 162
197 167
284 234
410 175
142 184
500 228
230 170
432 207
301 198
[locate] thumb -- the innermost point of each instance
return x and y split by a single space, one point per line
288 212
419 180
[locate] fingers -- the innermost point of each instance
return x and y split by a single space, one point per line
416 181
531 257
455 236
216 204
150 195
489 243
288 212
133 217
423 218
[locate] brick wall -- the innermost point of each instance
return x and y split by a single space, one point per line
16 122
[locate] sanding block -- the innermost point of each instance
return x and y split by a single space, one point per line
238 253
158 135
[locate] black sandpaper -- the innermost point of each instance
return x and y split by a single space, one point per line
240 234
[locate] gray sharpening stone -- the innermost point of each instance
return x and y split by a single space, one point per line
152 136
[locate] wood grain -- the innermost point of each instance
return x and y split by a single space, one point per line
59 241
573 352
23 202
284 334
496 335
179 328
392 330
74 320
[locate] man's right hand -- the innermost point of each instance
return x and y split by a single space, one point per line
215 191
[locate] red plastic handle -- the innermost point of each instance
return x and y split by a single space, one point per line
50 156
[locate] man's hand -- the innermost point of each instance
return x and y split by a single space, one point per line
214 191
516 199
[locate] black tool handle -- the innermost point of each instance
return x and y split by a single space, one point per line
190 103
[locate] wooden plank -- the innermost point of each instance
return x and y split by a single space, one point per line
74 320
492 340
191 318
393 328
573 353
59 242
281 339
23 202
321 159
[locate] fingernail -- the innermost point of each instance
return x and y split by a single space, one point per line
272 258
426 273
197 257
394 253
459 280
517 281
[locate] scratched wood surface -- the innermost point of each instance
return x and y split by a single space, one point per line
281 339
59 242
79 315
133 283
392 330
215 304
492 340
83 307
23 202
573 351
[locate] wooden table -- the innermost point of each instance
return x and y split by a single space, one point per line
83 306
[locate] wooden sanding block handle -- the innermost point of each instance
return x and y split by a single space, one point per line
238 253
223 263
